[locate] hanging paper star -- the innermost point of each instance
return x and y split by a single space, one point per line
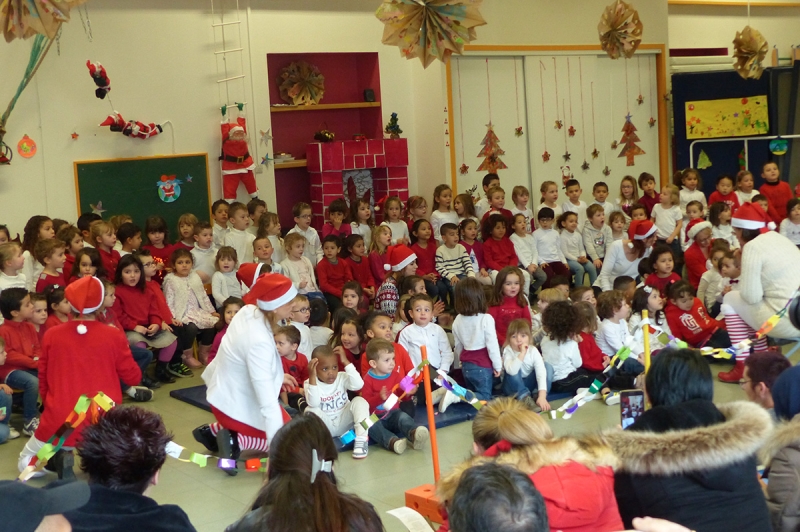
97 209
595 154
545 157
74 135
266 160
266 137
585 165
614 145
559 124
464 169
567 156
652 121
640 99
571 131
606 171
628 117
188 179
666 97
518 131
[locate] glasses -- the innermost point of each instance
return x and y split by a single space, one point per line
304 216
742 382
304 309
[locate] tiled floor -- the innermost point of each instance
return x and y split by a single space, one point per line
213 500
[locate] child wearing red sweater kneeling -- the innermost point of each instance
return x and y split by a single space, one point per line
689 320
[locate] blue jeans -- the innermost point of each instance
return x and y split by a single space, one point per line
142 357
520 387
5 402
479 380
579 270
538 278
631 367
439 288
397 424
28 382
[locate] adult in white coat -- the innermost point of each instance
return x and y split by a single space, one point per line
623 256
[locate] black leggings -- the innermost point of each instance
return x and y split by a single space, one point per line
580 378
188 333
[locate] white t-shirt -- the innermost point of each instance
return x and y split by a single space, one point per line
791 231
666 220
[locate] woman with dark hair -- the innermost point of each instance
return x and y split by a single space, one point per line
687 460
301 491
769 277
623 256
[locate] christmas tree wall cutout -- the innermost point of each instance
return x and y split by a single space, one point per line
491 152
629 140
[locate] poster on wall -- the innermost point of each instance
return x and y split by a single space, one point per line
730 117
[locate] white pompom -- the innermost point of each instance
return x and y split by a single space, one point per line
771 226
387 267
630 244
82 329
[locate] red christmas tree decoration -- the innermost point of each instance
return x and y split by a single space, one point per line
628 141
491 152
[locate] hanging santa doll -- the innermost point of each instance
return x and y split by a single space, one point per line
237 164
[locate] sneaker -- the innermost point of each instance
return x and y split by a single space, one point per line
202 434
612 398
448 399
180 370
30 427
419 437
147 382
140 394
162 374
397 445
13 434
360 448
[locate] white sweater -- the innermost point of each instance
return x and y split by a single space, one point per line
532 361
242 242
364 230
746 197
548 245
219 235
725 232
332 398
453 261
611 337
557 211
277 245
791 231
525 248
528 216
638 333
399 230
565 358
438 219
579 209
299 271
616 264
12 281
710 289
223 286
306 345
692 195
313 249
572 245
204 259
666 220
440 354
608 208
596 241
477 332
31 269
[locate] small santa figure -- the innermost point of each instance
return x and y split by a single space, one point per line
237 163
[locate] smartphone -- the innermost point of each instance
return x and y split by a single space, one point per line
631 406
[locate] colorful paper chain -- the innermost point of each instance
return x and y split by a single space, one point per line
406 384
447 382
252 464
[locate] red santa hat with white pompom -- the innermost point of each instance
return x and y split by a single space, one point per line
398 257
85 296
270 292
752 216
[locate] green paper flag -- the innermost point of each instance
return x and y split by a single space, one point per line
83 404
199 459
46 452
703 161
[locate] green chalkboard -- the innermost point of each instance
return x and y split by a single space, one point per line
133 186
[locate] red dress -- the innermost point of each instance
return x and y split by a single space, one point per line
361 271
778 194
662 284
499 253
505 313
45 280
134 307
109 260
591 355
730 199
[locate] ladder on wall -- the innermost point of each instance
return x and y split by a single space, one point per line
227 27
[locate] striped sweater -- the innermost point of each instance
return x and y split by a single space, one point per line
453 261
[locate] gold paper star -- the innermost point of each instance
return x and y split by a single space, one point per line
614 145
545 156
595 154
640 99
652 121
585 165
567 156
571 131
559 124
606 171
464 169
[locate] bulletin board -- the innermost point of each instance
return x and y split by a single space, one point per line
169 186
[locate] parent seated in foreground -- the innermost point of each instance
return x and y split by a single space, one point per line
687 460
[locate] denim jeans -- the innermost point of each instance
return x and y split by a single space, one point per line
479 380
28 382
579 270
142 357
632 367
439 288
5 402
520 387
452 287
397 424
538 278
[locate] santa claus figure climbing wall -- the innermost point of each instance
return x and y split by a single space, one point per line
237 163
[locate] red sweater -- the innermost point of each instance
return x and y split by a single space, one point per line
731 199
69 261
476 248
695 264
361 271
343 232
376 263
134 307
401 360
154 290
505 212
45 280
297 368
695 327
662 283
591 354
778 194
22 348
331 277
371 391
181 245
75 364
160 256
505 313
110 261
499 253
426 258
52 321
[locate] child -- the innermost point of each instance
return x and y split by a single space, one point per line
613 335
730 267
668 219
238 238
39 317
142 319
443 214
412 284
326 395
88 264
302 219
377 325
725 193
719 214
262 254
574 202
228 310
452 261
649 299
638 212
352 297
220 211
498 250
546 297
115 222
83 223
571 242
416 209
5 236
255 209
50 254
600 194
475 339
508 302
465 208
709 291
597 235
155 227
691 190
594 360
301 310
775 190
298 267
482 207
401 261
520 197
337 223
663 263
645 270
395 425
73 243
584 294
224 283
58 309
270 226
765 205
468 232
744 186
287 339
204 251
560 350
424 248
525 370
790 226
689 320
186 225
617 223
22 353
103 239
356 258
318 331
347 338
189 305
549 191
11 262
548 245
628 196
37 228
626 285
694 211
649 198
332 272
381 240
497 202
393 219
362 222
130 238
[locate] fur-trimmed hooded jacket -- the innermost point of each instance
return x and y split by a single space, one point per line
575 479
781 455
693 464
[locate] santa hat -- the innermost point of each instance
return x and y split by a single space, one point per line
641 229
85 296
249 273
271 290
695 226
398 257
380 203
235 129
752 216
